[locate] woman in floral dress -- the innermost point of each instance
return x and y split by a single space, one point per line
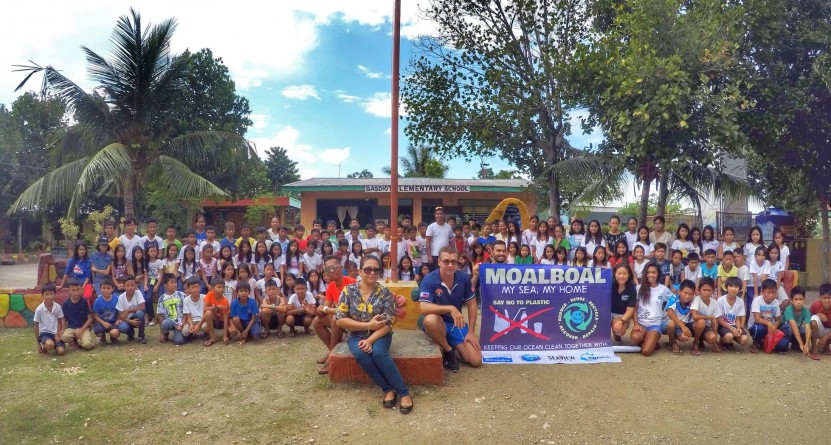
366 309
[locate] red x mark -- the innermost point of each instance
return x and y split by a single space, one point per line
518 324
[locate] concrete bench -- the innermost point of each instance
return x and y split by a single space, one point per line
418 359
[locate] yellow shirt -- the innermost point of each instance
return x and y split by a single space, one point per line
724 275
113 243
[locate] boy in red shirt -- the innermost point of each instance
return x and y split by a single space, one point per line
821 320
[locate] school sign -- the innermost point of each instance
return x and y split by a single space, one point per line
545 314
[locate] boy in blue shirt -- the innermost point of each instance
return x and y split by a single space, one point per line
169 310
244 313
105 314
678 321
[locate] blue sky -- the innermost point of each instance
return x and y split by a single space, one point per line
317 74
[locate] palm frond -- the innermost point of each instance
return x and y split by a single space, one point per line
179 181
194 147
54 187
112 162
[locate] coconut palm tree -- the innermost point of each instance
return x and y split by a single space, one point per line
122 140
419 163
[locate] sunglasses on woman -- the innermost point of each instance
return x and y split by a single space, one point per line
372 270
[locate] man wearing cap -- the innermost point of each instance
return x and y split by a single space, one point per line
438 235
101 262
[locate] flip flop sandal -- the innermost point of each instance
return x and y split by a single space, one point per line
322 360
695 352
814 356
209 343
323 371
281 334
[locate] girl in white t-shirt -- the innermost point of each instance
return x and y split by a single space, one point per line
777 271
754 241
229 274
277 258
728 244
643 241
650 310
189 267
594 237
759 271
640 263
695 237
682 241
549 255
576 237
784 251
561 256
539 242
708 240
599 258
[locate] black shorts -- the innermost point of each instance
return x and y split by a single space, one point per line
217 324
273 322
299 320
722 331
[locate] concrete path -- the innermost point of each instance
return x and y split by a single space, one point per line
18 276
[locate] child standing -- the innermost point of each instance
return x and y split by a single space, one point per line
210 240
645 243
692 271
524 256
311 260
639 263
594 237
726 270
754 241
189 266
659 252
101 266
80 268
207 266
599 258
710 269
49 322
729 244
682 242
549 255
152 283
759 271
732 321
576 237
709 241
676 270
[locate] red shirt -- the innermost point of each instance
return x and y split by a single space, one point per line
817 308
301 243
460 244
333 290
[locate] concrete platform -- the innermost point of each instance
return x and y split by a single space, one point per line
418 359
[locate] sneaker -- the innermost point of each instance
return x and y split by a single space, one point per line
152 323
449 361
142 340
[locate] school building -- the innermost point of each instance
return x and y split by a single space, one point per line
368 199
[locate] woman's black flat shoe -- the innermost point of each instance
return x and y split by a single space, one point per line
406 409
391 403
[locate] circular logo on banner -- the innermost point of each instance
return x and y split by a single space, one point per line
578 318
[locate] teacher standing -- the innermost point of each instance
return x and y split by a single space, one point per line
366 309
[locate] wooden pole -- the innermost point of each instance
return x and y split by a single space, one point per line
396 47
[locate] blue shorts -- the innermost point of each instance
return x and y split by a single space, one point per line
47 336
453 335
655 328
678 330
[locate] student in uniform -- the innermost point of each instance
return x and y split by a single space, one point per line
49 322
733 315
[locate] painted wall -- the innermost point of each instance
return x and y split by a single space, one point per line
813 262
17 306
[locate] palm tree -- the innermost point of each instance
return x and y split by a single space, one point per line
123 139
419 163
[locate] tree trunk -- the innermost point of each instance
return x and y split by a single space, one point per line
551 159
20 234
663 193
647 175
130 197
825 250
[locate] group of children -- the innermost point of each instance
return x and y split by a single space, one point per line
251 286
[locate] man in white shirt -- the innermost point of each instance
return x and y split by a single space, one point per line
130 239
438 235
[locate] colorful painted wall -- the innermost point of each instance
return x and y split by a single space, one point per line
17 306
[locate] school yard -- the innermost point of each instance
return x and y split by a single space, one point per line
267 392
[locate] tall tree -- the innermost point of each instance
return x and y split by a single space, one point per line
123 139
665 86
280 169
494 81
788 48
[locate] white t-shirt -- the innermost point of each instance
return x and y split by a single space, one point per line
639 267
711 310
441 237
312 262
189 270
527 236
776 269
370 243
784 254
760 269
652 313
215 244
768 311
729 247
261 284
684 246
743 273
423 245
293 266
384 245
691 275
631 239
708 245
294 301
196 250
124 304
48 320
130 243
279 262
750 250
684 315
194 308
731 313
230 291
591 246
539 246
604 266
153 268
547 261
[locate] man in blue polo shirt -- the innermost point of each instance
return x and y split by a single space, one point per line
443 292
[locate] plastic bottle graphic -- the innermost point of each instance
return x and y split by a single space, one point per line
500 324
522 314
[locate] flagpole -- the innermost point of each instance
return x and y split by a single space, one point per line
396 46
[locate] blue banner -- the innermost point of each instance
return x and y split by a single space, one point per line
545 314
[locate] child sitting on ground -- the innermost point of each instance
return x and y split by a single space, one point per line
105 314
245 313
49 322
796 323
78 317
705 313
732 321
298 313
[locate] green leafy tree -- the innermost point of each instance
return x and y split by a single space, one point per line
280 169
420 163
123 139
788 48
487 173
494 82
665 85
363 174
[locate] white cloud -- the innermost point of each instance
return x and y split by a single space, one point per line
388 132
300 92
380 105
369 73
348 98
307 157
259 121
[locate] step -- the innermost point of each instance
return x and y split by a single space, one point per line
418 359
